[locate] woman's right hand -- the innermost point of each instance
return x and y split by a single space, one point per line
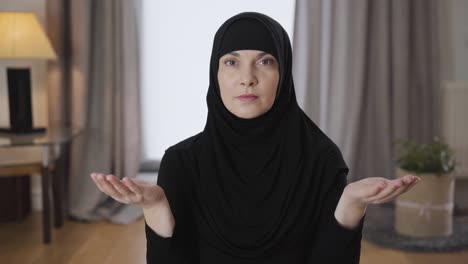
150 196
129 191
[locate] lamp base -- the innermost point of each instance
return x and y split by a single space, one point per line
25 132
19 99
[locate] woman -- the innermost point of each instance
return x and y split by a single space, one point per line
261 183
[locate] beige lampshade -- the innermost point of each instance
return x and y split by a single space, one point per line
22 37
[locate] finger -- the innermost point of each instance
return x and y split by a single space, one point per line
408 179
408 183
391 196
392 187
121 188
371 190
132 186
109 188
412 184
377 188
97 181
93 177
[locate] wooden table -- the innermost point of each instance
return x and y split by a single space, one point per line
53 142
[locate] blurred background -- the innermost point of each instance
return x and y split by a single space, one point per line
108 85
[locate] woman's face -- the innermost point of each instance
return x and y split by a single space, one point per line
248 72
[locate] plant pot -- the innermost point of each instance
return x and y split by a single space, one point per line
427 209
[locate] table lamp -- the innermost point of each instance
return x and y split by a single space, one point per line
21 37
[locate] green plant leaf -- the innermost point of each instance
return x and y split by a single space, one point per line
436 157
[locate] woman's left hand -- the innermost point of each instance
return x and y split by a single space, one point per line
377 190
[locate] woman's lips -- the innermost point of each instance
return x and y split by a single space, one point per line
247 98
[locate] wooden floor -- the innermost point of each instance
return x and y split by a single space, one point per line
105 243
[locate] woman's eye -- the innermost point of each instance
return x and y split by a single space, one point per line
229 62
267 61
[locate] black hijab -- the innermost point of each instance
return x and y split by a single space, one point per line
259 183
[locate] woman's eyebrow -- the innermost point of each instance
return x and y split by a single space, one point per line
236 54
261 54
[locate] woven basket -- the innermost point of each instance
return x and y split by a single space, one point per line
426 210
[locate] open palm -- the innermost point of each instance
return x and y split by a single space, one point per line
377 190
129 191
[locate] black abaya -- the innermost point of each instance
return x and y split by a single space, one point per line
260 190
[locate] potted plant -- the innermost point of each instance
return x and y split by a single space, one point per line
426 209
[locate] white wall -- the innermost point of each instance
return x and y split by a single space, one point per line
176 48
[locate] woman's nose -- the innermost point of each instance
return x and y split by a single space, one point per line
248 83
248 78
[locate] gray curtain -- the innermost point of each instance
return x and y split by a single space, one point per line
95 85
367 72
